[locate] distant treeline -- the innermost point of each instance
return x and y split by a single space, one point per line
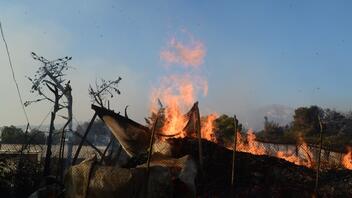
337 128
98 135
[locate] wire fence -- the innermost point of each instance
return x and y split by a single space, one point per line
40 151
329 159
12 163
37 152
21 166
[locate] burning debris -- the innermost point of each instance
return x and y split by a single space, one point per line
186 156
181 173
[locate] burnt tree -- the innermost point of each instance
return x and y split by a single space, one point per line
51 75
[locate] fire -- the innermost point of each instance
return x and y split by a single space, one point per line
174 122
307 153
293 158
249 145
177 94
296 158
346 160
289 156
208 127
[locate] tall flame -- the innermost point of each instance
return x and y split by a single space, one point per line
178 92
208 127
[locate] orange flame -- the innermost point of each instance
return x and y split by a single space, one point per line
208 127
293 158
177 93
346 160
308 154
249 145
289 156
296 158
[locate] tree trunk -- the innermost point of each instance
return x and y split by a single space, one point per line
70 135
46 171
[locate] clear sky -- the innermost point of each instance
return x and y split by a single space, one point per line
258 53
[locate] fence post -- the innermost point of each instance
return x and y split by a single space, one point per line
234 153
151 150
200 150
320 147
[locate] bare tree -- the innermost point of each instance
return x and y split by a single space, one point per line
100 94
51 75
102 91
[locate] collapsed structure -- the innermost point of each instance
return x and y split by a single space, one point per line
134 139
187 167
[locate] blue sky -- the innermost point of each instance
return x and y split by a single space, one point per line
288 53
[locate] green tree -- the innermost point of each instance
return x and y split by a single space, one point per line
225 129
36 137
305 120
272 130
12 135
99 134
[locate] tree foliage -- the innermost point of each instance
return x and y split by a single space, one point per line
99 134
12 135
272 130
305 120
15 135
337 128
225 129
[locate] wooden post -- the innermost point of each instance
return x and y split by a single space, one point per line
151 149
199 136
320 147
106 150
70 138
83 138
89 143
234 153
